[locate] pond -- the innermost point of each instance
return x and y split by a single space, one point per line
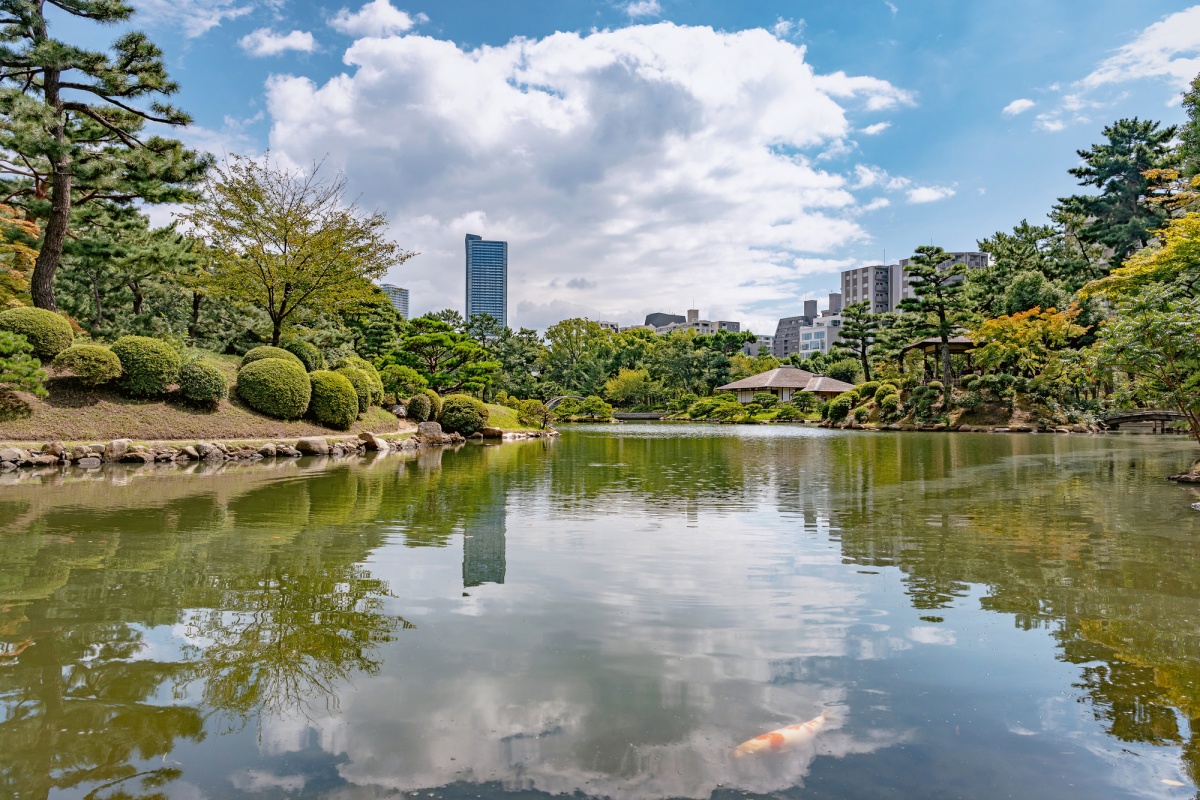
611 615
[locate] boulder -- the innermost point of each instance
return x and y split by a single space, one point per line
373 442
79 451
287 451
429 430
204 448
1020 428
55 449
96 448
14 454
190 452
91 462
7 466
117 448
43 459
313 446
492 433
267 450
137 457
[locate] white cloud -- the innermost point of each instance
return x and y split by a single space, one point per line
787 28
1018 107
929 194
665 163
265 42
1167 49
876 129
1050 123
892 7
377 18
643 8
195 17
877 203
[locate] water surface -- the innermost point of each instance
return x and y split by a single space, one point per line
609 615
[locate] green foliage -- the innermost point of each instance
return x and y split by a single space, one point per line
867 390
418 407
401 381
969 401
1189 132
633 387
789 413
276 387
267 351
435 403
335 400
372 374
309 354
202 383
683 402
846 370
862 414
90 363
858 332
362 385
884 390
766 399
448 360
753 409
939 306
148 365
463 414
47 333
805 401
18 368
711 407
532 412
595 407
840 406
889 406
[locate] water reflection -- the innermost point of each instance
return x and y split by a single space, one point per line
951 602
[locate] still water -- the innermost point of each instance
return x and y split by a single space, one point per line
610 615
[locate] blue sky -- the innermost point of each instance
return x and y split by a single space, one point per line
646 155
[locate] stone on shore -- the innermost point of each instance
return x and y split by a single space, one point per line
13 454
373 442
492 433
90 462
267 450
429 430
313 446
117 448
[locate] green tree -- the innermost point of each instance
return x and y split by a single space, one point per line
18 368
287 241
938 305
375 324
519 355
1189 132
74 124
1119 217
858 332
576 356
449 361
633 387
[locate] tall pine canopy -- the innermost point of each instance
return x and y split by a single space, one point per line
937 283
72 124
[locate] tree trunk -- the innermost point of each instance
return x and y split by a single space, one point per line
138 298
42 285
866 365
946 372
276 330
194 324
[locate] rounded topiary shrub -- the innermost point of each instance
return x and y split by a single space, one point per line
361 382
90 363
435 403
276 387
334 401
839 407
417 408
267 351
372 374
788 413
463 414
47 332
149 365
889 405
202 383
867 390
309 355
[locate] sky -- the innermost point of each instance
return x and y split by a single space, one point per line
659 155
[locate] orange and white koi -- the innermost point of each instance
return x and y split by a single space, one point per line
784 739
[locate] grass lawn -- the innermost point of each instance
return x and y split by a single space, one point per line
505 418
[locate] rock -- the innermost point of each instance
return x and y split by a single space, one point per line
7 466
476 436
79 451
204 448
492 433
999 430
287 450
55 449
137 457
937 426
190 452
429 430
267 450
1020 428
117 448
91 462
373 442
14 454
96 448
1196 506
43 459
313 446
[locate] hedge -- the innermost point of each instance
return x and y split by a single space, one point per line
463 414
839 407
267 351
276 387
202 383
435 403
90 363
150 365
309 355
47 332
418 407
868 390
372 373
334 400
361 382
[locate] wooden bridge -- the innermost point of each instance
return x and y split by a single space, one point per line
1158 418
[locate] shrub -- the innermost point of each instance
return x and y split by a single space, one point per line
19 370
788 413
862 414
418 407
683 402
90 363
889 405
753 408
839 407
532 412
402 381
202 384
334 402
361 382
867 390
702 409
435 403
886 388
276 387
47 333
309 355
463 414
727 411
909 382
596 408
150 365
372 374
267 351
936 386
969 400
969 382
766 399
847 370
805 401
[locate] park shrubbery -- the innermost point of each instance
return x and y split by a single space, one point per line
375 382
47 333
419 407
361 382
532 412
334 400
276 387
463 414
789 413
90 363
435 403
202 384
149 365
267 351
840 406
309 355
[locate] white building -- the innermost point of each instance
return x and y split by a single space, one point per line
702 326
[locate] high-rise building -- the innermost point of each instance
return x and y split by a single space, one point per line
660 319
901 287
487 278
873 284
810 332
399 298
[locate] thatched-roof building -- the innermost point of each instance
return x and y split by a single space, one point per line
785 383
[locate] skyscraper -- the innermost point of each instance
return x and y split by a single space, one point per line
399 298
487 278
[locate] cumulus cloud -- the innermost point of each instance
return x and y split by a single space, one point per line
676 162
929 194
377 18
1167 49
1018 107
876 129
784 28
643 8
265 42
195 17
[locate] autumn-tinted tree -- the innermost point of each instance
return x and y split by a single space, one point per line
75 120
288 241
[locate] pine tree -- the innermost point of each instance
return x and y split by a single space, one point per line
938 285
858 332
1189 132
73 124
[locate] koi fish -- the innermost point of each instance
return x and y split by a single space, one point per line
784 739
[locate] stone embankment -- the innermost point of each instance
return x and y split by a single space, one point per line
124 451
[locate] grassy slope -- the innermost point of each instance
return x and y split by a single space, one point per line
506 419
